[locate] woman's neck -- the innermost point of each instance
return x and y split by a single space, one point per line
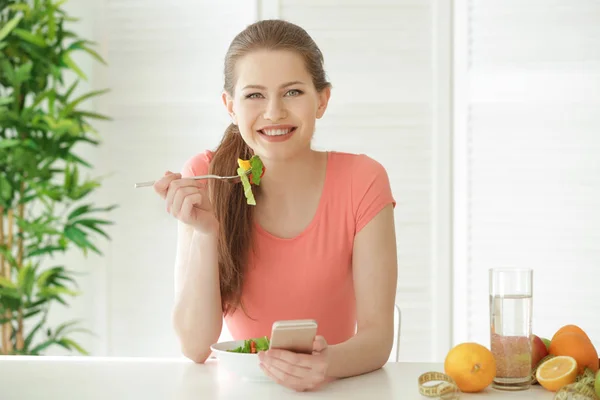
285 179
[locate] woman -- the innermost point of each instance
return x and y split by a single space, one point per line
320 241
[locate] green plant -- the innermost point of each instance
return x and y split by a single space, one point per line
44 206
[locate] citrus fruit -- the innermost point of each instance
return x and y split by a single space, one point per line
577 346
471 365
572 329
557 372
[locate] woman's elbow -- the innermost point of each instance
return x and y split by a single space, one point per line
199 356
387 345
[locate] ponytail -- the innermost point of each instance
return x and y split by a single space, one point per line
234 217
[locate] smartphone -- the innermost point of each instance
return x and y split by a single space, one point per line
294 335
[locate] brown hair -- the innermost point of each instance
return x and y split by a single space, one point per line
229 203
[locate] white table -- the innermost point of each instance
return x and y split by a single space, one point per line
87 378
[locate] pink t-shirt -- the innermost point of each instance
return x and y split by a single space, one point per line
310 275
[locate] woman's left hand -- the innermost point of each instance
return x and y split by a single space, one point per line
297 371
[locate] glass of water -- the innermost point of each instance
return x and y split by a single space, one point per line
510 326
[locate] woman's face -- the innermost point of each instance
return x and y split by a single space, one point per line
275 105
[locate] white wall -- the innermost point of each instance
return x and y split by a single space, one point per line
390 100
527 174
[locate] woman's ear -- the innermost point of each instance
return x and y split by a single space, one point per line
324 96
228 103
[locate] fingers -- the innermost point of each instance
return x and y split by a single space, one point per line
190 185
296 371
286 380
188 206
319 344
285 367
190 196
161 185
302 360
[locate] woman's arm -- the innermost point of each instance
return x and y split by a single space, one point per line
197 315
375 276
375 271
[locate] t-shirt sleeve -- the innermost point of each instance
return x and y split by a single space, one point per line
371 190
197 165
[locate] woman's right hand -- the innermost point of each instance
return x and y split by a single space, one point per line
188 201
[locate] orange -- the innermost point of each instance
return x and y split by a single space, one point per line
471 365
577 346
571 328
557 372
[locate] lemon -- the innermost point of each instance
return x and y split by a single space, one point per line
557 372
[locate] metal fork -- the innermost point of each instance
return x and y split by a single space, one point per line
233 179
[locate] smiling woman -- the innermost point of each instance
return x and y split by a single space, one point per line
319 243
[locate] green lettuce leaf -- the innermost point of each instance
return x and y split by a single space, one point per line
257 169
262 344
247 187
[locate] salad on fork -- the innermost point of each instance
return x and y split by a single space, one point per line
257 170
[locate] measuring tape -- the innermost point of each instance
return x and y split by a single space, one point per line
446 388
582 389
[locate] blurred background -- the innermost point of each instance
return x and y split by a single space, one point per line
484 112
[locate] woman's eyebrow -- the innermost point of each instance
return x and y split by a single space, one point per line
264 88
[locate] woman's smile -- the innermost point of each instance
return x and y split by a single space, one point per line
276 133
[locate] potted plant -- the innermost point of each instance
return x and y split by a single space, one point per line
44 201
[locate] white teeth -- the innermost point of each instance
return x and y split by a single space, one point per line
276 132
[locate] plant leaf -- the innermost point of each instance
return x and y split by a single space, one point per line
71 106
10 25
94 54
32 313
73 158
5 143
71 343
31 334
37 40
44 250
20 7
27 280
92 115
65 326
42 346
66 58
56 290
7 283
70 91
23 73
79 211
11 293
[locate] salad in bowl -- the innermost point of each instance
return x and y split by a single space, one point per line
240 357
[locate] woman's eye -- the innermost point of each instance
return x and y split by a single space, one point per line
254 96
294 92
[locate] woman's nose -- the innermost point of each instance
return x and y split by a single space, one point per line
275 110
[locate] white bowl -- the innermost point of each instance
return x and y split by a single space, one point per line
244 365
